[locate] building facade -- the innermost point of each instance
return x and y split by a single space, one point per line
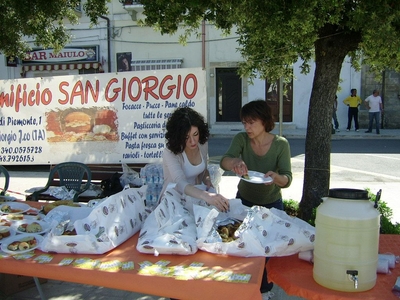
118 44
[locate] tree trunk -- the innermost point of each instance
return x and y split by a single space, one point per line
329 55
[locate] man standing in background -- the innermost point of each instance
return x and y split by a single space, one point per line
353 102
374 104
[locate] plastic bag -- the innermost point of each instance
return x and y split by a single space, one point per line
264 232
215 175
62 193
129 177
189 201
152 175
169 229
100 229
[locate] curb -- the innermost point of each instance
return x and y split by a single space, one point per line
301 134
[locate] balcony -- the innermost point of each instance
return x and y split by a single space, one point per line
132 7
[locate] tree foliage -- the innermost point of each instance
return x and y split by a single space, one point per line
273 35
41 21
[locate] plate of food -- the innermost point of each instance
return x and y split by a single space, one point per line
32 226
50 206
256 177
14 208
21 243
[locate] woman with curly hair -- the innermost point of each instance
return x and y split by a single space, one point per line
185 157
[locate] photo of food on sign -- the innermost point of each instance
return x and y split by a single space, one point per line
82 125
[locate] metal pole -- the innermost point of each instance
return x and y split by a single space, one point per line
281 106
39 288
383 93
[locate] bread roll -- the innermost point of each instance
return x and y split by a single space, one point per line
15 217
48 207
13 246
4 231
78 122
23 246
30 240
106 117
34 227
5 223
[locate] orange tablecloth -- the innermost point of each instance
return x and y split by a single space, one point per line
295 276
156 285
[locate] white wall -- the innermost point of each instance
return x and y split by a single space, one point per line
256 90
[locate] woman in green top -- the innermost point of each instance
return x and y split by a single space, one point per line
259 150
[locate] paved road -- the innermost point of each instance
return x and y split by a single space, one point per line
355 163
218 146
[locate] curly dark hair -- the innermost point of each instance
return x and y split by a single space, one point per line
178 126
258 110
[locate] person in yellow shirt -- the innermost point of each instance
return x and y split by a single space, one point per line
353 102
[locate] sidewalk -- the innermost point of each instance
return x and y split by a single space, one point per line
343 134
290 132
57 290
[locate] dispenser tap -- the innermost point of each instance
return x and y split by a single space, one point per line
353 276
377 198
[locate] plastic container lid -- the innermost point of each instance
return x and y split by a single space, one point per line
353 194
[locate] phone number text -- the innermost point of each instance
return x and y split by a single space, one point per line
21 150
16 158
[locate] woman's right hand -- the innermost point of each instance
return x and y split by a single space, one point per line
218 201
239 167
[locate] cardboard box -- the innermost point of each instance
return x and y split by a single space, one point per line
11 284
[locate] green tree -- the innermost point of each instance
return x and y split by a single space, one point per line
273 35
42 21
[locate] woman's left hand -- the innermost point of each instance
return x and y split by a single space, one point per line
279 180
272 175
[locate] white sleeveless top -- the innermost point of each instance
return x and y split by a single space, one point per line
191 171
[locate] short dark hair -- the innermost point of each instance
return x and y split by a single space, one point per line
178 126
258 110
